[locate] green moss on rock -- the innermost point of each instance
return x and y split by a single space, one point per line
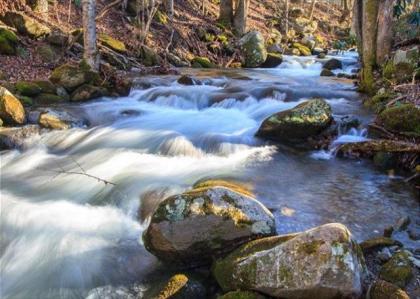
46 86
398 270
241 295
112 43
202 62
87 92
48 98
71 76
8 42
46 53
25 24
27 88
403 118
378 242
381 289
378 101
304 51
253 48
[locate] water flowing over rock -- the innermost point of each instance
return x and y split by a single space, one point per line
305 120
333 64
11 109
14 138
253 48
324 262
193 227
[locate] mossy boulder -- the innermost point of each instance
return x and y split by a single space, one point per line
48 98
27 88
47 53
333 64
307 119
8 42
324 262
381 289
398 270
180 286
304 50
149 57
195 227
402 118
46 86
241 295
72 76
379 101
253 49
25 24
112 43
327 73
58 38
87 92
273 60
202 62
25 100
11 109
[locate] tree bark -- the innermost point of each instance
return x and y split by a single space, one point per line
169 6
90 53
226 11
369 38
286 26
312 10
241 15
385 32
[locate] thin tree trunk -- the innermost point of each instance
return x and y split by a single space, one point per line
312 10
169 5
241 15
226 11
369 38
90 53
286 26
385 33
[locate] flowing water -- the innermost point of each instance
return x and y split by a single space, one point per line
71 200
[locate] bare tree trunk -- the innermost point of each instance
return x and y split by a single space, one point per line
312 10
385 33
357 25
90 53
287 19
241 15
226 11
369 38
169 5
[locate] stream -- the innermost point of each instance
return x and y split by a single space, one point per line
71 200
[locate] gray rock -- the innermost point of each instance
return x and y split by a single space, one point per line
196 226
324 262
253 48
14 138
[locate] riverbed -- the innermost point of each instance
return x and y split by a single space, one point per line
74 203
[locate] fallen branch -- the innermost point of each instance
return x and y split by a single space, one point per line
390 103
408 42
106 9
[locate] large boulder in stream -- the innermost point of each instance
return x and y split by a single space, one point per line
193 228
11 109
333 64
297 124
324 262
253 48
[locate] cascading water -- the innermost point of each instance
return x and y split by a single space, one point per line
71 200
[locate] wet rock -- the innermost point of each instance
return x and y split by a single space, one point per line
46 86
71 76
367 149
47 98
398 270
388 231
187 80
242 295
11 109
378 242
27 88
347 76
25 24
333 64
324 262
180 286
87 92
8 42
414 234
327 73
273 60
402 223
56 120
14 138
112 43
253 48
275 48
294 125
202 62
176 61
381 289
304 51
194 227
404 118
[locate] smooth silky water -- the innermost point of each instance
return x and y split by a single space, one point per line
64 233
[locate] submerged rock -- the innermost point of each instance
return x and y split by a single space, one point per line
11 109
305 120
333 64
381 289
327 73
194 227
253 48
324 262
187 80
398 270
14 138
